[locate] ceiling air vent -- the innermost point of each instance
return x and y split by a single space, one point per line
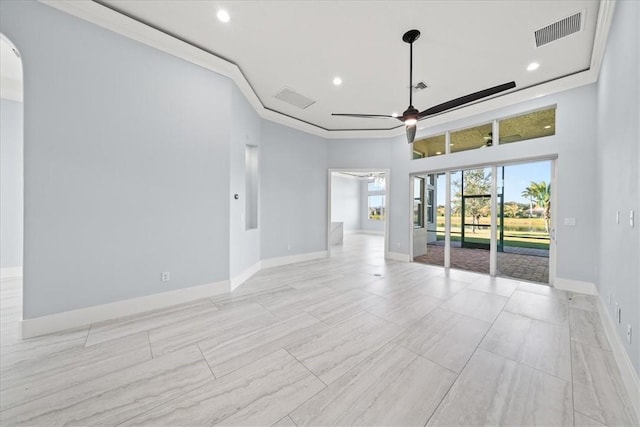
294 98
558 30
419 86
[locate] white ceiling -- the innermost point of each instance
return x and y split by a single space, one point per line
465 46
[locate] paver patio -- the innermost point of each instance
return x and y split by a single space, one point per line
520 266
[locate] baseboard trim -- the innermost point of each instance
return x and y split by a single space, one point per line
71 319
292 259
575 286
627 372
398 257
10 272
245 275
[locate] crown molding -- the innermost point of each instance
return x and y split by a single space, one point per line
109 19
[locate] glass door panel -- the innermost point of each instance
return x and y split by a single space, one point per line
471 219
524 220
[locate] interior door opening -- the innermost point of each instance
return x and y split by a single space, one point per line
358 209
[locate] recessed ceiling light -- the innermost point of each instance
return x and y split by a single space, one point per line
337 81
547 127
533 66
223 15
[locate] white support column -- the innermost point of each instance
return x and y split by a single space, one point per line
493 248
447 220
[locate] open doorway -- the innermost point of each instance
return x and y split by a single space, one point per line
494 220
11 190
358 213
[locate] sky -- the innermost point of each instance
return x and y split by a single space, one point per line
516 179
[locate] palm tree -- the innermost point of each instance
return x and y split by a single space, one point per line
541 193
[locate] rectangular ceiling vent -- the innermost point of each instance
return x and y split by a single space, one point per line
557 30
419 86
294 98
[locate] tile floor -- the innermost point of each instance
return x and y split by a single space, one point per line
350 340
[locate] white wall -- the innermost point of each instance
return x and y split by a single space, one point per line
11 170
618 179
127 154
345 201
293 192
246 129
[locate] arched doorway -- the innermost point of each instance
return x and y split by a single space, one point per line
11 189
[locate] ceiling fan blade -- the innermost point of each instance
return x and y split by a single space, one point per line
411 133
466 99
364 116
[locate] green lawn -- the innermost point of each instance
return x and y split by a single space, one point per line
519 232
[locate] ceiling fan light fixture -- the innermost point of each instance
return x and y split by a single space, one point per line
337 81
411 115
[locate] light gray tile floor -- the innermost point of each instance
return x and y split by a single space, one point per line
348 340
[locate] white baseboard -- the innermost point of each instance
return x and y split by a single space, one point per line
575 286
292 259
398 257
10 272
627 372
245 275
57 322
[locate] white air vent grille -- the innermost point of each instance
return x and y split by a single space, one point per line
294 98
558 30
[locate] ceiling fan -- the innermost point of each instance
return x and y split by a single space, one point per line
411 115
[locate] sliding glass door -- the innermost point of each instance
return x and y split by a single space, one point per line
524 232
499 220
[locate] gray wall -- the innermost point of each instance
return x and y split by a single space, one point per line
293 192
11 181
127 158
244 245
618 154
345 201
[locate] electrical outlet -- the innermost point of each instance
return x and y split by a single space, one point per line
629 334
165 276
